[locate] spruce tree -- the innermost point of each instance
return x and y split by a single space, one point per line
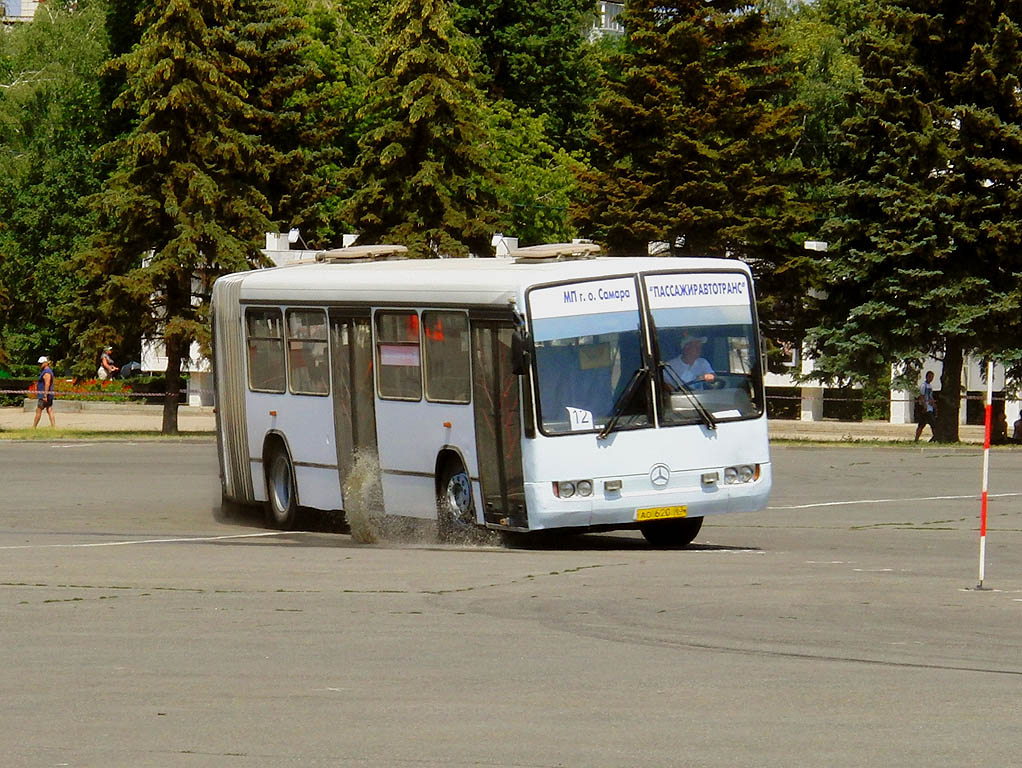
179 208
422 176
286 98
693 139
923 255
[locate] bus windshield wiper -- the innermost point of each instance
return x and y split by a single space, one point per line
685 389
623 399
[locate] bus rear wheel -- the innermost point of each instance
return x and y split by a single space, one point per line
282 501
456 517
672 534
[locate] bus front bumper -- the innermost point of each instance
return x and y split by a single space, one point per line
687 495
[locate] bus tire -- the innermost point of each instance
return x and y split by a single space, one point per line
672 534
281 495
455 510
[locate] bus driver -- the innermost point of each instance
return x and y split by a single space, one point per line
690 366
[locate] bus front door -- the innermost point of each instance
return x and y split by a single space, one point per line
351 355
498 424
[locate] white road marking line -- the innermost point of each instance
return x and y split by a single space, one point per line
888 501
148 541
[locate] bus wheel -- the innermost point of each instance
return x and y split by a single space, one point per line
281 504
672 534
456 517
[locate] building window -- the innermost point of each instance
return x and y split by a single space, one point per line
398 359
265 341
448 375
607 24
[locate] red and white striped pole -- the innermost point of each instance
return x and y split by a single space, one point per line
986 473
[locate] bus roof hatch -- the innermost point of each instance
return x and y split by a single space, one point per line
555 252
362 253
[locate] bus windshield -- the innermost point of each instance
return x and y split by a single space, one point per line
706 338
588 349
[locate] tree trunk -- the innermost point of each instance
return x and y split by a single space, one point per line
949 399
172 396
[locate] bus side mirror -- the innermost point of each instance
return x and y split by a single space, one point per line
519 353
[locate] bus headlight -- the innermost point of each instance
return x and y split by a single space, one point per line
564 489
743 473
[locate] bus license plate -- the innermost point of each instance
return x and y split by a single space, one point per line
660 513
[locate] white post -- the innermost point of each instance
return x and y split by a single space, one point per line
812 403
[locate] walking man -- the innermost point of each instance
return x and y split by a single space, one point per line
927 408
44 392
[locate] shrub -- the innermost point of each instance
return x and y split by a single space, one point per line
110 391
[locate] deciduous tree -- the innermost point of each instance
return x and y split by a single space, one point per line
51 118
538 56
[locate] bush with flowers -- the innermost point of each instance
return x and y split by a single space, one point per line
94 390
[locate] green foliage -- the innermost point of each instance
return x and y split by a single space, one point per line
289 113
422 175
50 119
538 182
889 129
180 208
536 55
927 211
696 147
825 72
692 147
343 49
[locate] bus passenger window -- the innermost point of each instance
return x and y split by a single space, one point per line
398 360
308 367
446 356
264 330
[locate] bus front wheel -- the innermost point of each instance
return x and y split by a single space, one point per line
672 534
456 518
282 501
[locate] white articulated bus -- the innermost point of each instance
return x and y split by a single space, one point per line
552 389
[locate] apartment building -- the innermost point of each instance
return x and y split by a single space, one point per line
18 10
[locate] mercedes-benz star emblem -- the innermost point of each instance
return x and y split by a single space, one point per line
660 475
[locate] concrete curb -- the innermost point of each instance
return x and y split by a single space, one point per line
84 406
149 418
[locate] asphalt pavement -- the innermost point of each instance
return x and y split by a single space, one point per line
839 627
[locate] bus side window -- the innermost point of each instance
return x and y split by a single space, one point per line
448 375
398 358
307 352
264 329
